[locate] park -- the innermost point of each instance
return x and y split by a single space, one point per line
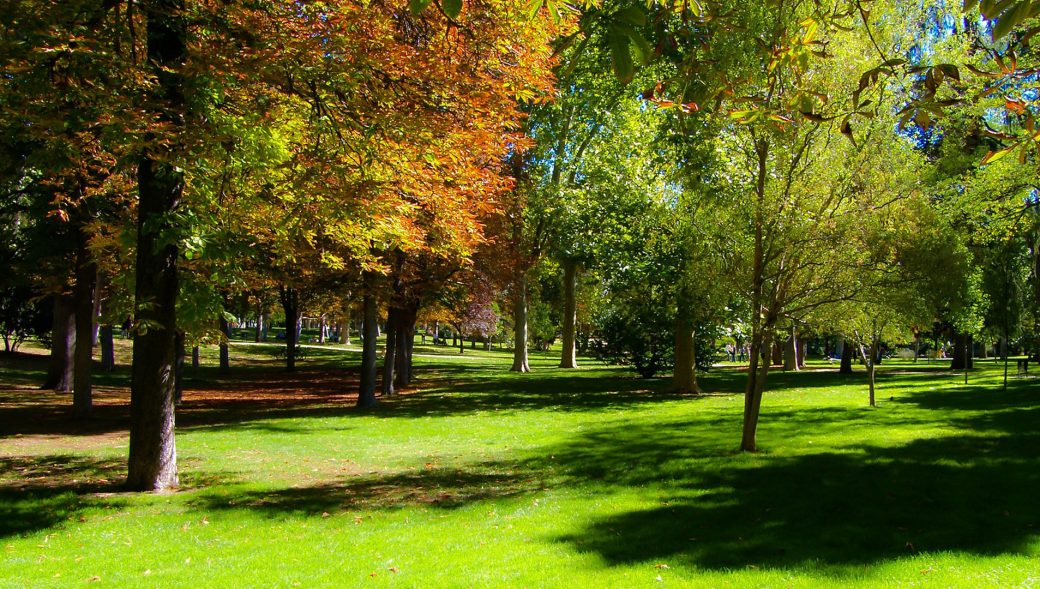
519 293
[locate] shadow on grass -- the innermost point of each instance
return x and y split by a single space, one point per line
40 492
434 487
864 503
44 492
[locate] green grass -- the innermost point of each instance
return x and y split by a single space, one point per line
588 478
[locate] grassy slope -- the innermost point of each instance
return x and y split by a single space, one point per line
587 479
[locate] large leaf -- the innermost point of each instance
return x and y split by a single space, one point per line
451 7
417 6
620 55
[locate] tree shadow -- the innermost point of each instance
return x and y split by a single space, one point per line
855 506
429 487
40 492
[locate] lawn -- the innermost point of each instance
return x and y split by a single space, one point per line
484 478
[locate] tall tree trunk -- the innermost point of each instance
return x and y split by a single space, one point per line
758 370
345 331
258 333
791 351
520 361
761 325
194 361
63 344
846 358
568 358
291 305
106 337
390 352
153 455
961 352
684 377
225 356
322 326
868 360
84 294
367 388
776 354
405 345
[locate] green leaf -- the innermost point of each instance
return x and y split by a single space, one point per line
993 156
644 51
631 15
620 56
1007 21
451 7
417 6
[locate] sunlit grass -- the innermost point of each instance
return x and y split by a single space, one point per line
588 478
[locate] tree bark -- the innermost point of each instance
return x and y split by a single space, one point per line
405 345
258 333
791 351
961 352
322 325
520 360
290 298
846 358
367 388
84 294
868 360
106 337
225 356
684 377
63 343
758 370
568 358
763 315
390 352
153 456
194 360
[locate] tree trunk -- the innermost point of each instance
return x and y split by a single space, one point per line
961 352
758 369
291 305
791 351
520 361
868 360
63 343
568 358
258 333
225 356
684 376
322 325
405 345
194 361
761 325
153 456
84 295
344 335
846 358
106 337
390 352
367 388
777 354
